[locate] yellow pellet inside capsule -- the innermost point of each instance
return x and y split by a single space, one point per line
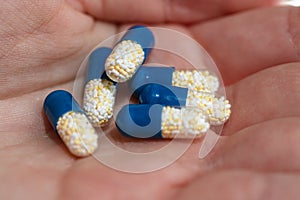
124 60
217 109
196 80
183 122
77 133
98 101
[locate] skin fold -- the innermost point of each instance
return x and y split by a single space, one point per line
256 46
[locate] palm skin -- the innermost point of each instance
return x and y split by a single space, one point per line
43 44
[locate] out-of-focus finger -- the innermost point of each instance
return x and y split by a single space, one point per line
241 184
268 94
248 42
269 146
158 11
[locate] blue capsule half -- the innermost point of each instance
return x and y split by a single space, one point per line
96 64
154 93
150 74
140 121
57 103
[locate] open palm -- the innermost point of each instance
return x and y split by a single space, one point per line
43 44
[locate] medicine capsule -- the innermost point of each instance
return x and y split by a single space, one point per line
70 122
195 80
129 53
99 91
156 121
216 109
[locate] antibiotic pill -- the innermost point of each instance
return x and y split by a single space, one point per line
70 122
196 80
155 121
216 109
99 91
129 53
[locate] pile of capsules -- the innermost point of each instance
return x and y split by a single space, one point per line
172 103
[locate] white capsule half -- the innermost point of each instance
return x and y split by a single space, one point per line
99 100
183 122
99 91
124 60
217 109
77 133
197 80
129 53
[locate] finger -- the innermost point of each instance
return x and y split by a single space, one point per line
163 10
246 185
248 42
23 120
269 146
97 179
44 44
268 94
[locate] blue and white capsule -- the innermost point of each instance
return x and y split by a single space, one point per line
99 91
70 122
197 80
216 109
129 53
156 121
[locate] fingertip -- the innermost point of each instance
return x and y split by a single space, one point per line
75 4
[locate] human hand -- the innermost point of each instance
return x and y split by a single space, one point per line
43 44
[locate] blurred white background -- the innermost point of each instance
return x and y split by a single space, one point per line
291 2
